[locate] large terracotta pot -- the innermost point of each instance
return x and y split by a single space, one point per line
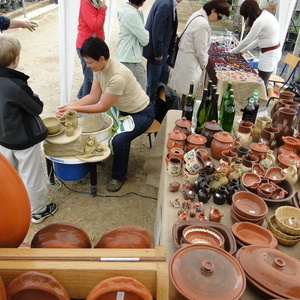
210 128
221 141
119 288
176 139
125 237
36 286
15 207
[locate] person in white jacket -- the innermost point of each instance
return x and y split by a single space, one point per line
192 56
132 37
264 33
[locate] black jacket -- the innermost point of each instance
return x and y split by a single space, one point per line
20 124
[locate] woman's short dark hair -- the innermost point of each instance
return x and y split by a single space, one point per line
94 47
250 10
221 7
137 2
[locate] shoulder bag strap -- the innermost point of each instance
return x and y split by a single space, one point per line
188 25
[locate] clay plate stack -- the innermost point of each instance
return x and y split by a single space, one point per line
247 233
248 207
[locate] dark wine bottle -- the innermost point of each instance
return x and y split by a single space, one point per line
249 111
201 115
225 97
256 102
213 111
187 110
228 115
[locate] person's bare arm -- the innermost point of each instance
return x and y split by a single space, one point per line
30 25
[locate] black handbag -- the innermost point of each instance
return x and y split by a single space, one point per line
174 50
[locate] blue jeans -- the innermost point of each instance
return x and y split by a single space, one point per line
121 142
88 78
156 72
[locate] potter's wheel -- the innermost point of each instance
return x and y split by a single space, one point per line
62 138
91 122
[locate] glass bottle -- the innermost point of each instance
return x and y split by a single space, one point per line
256 101
225 96
249 111
202 112
189 103
228 115
213 111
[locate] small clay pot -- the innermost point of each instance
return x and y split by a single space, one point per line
174 186
176 139
260 150
176 152
195 140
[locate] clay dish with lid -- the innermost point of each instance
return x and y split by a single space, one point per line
61 235
275 174
253 234
249 205
288 219
36 286
195 140
202 235
251 180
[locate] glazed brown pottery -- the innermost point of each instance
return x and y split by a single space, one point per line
273 270
208 264
184 125
282 95
210 128
215 215
228 157
285 158
253 234
174 186
284 123
202 235
119 287
291 144
260 150
244 133
221 141
260 123
284 103
61 235
125 237
247 162
258 169
36 286
176 139
195 140
275 174
251 180
268 136
248 204
176 152
14 199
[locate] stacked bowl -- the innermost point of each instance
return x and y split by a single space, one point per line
285 225
248 207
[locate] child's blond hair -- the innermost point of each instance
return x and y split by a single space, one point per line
10 48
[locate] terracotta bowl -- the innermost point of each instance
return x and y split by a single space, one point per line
249 205
258 169
275 174
202 235
253 234
247 219
288 219
36 286
61 235
251 180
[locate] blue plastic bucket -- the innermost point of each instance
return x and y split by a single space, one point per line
71 171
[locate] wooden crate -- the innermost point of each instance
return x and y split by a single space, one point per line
79 270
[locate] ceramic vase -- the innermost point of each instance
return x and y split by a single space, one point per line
291 144
244 133
69 129
204 193
236 173
71 116
221 195
215 183
291 172
269 161
268 136
260 123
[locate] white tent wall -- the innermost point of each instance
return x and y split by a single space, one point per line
68 11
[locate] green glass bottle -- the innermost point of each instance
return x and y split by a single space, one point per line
187 110
213 111
228 115
210 102
225 97
201 115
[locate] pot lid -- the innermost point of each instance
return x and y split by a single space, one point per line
224 137
273 269
259 147
206 272
197 139
177 135
213 125
183 122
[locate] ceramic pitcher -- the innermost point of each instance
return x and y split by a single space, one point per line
268 136
244 133
261 122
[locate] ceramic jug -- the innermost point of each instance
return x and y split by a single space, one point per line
215 215
261 122
244 133
282 95
221 195
210 128
291 172
268 136
269 161
228 157
247 162
71 116
236 173
287 104
284 123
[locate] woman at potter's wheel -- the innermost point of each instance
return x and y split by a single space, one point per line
113 85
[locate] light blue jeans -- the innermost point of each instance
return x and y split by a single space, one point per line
88 77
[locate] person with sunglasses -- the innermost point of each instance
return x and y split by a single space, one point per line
192 55
263 33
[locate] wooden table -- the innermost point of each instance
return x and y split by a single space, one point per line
166 215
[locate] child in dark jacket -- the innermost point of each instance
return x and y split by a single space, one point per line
21 128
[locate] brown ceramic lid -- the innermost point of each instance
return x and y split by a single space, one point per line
259 147
224 137
197 139
177 135
183 122
213 125
206 272
273 269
